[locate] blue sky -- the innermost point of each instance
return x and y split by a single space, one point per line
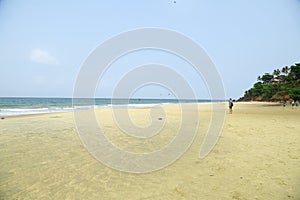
44 43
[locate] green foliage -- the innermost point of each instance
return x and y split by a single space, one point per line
285 70
276 72
268 91
295 93
266 78
295 69
286 85
257 89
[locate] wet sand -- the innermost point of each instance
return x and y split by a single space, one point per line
256 157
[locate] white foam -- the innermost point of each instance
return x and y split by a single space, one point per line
30 111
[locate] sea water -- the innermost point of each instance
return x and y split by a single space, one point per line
14 106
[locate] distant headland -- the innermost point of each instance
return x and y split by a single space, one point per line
280 85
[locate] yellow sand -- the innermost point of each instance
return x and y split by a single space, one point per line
256 157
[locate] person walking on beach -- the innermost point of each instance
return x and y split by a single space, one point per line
230 106
284 104
293 103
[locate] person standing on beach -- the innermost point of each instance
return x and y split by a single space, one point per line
297 104
230 106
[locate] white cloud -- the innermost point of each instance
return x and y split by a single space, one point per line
40 56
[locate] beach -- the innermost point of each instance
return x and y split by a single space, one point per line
257 157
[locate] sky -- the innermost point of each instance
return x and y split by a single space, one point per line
43 44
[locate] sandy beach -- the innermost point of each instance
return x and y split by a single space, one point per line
257 157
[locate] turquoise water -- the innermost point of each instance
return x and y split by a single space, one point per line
13 106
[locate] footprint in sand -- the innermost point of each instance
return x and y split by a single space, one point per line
295 157
279 181
179 192
237 196
55 116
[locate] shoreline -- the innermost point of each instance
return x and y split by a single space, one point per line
135 106
129 106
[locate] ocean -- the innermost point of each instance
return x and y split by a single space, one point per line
14 106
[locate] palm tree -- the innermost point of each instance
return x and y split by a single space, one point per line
285 70
276 72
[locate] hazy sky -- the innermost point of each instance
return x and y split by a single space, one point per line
44 43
